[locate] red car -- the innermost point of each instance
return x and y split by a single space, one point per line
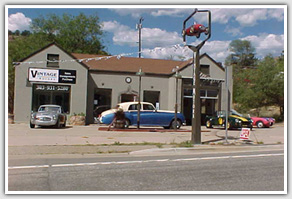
261 122
272 120
196 30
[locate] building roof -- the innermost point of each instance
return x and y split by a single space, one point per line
127 64
131 64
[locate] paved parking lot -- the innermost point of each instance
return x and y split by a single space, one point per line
88 139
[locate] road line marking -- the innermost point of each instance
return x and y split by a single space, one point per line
145 161
29 167
258 155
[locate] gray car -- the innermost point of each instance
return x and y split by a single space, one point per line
48 115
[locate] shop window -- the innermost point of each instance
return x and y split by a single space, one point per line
53 60
205 69
152 97
203 93
128 97
213 93
51 94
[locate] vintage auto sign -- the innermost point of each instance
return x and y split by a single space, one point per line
52 75
43 75
244 134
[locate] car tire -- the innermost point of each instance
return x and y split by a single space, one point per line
127 123
178 124
209 124
64 125
260 124
31 125
58 124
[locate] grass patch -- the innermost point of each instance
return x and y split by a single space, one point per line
185 144
260 142
117 143
157 144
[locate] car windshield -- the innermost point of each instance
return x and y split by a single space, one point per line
49 109
234 112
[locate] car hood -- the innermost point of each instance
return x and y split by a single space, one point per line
115 110
256 118
108 112
38 114
241 118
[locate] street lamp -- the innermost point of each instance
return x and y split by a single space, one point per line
140 74
177 76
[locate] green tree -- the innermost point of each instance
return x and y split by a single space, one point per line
263 85
79 34
242 54
269 81
241 58
17 33
18 49
25 33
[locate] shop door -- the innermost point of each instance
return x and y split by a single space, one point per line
102 101
188 109
207 108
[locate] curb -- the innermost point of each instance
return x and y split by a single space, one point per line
197 148
146 130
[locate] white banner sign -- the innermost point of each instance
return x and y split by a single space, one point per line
43 75
244 134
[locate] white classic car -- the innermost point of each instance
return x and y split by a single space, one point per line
48 115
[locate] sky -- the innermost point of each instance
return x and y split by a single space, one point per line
263 26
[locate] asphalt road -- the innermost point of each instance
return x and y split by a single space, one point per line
237 171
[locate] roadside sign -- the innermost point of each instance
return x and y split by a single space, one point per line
244 133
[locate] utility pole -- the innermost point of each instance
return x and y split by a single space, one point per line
139 26
177 76
227 103
139 73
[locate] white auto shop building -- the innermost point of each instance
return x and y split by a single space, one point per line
82 82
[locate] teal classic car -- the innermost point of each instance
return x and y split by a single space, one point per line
149 116
235 120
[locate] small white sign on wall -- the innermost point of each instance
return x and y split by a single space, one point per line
157 105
